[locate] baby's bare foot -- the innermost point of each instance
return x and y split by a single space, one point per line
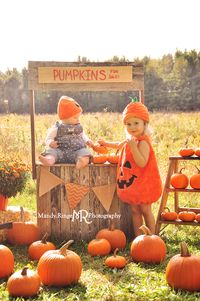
82 162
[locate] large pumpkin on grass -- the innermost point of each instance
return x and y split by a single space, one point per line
60 267
24 283
116 237
23 233
6 261
39 247
183 270
99 247
148 248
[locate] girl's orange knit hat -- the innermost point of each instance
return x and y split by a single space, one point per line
136 109
68 107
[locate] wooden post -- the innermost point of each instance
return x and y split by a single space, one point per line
32 119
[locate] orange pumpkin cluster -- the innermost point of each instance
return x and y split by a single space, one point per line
181 181
189 151
103 155
185 216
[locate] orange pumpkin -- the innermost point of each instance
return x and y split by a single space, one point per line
179 180
148 248
99 159
24 283
197 151
197 217
23 233
168 215
185 151
38 248
6 261
183 270
113 158
116 261
60 267
116 237
186 216
195 180
99 247
100 149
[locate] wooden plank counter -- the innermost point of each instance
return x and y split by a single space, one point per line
55 215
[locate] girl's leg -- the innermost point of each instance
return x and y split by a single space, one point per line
82 162
47 160
137 219
148 216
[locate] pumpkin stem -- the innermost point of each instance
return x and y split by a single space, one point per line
44 238
64 248
146 230
111 226
180 171
186 142
24 271
184 249
115 252
167 209
22 214
198 170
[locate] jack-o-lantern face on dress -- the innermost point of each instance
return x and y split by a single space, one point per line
125 176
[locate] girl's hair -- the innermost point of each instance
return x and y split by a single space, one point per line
147 131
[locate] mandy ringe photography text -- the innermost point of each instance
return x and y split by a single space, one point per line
82 215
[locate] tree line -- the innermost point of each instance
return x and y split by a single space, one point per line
172 83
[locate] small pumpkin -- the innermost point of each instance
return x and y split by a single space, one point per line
168 215
24 283
179 180
183 270
197 218
60 267
23 233
195 180
148 248
113 158
185 151
197 151
6 261
99 159
100 149
116 237
116 261
38 248
99 247
187 216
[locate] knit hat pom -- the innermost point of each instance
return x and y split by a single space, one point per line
136 109
67 107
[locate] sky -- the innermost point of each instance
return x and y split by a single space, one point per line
62 30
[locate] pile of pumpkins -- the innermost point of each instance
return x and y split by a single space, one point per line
62 267
103 155
184 216
179 180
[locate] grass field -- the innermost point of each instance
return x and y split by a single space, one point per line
136 281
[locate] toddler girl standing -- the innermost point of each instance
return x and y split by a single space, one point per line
138 179
66 141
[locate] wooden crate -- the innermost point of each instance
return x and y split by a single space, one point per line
61 222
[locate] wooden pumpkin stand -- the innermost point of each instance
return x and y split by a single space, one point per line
76 204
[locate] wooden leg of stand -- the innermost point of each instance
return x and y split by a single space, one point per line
172 165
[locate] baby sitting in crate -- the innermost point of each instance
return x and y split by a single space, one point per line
66 141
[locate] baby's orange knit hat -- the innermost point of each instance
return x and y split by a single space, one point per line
67 107
136 109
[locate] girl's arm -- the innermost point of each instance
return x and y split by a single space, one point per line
140 152
117 145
